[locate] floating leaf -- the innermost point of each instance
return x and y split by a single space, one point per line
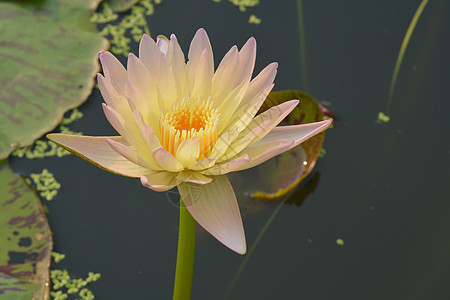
25 240
48 56
281 174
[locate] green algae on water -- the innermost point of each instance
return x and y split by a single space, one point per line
46 184
134 23
64 285
340 242
254 20
382 118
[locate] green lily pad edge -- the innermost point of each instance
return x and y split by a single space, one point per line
25 240
308 111
48 59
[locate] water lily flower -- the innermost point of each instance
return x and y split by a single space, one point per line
186 125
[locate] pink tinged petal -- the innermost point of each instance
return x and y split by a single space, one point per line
228 107
199 43
163 43
159 181
203 164
296 133
275 114
132 156
114 71
222 169
143 81
110 95
243 116
137 101
98 152
223 143
244 139
193 177
247 57
262 153
261 82
178 63
188 151
150 138
215 208
166 85
223 79
200 76
149 54
166 160
124 128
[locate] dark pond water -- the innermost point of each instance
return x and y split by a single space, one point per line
383 188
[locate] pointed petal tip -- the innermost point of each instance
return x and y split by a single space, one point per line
241 250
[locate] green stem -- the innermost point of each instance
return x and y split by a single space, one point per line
185 255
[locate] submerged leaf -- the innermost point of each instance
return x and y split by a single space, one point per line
48 56
25 240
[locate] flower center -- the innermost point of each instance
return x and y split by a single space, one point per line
187 119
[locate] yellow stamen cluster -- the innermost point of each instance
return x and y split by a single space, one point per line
187 119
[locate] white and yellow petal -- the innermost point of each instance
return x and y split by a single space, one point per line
215 208
97 151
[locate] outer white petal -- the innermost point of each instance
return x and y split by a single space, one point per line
225 168
264 152
203 164
247 57
166 84
215 208
244 139
200 76
125 127
223 80
159 181
296 133
133 156
193 177
163 43
229 105
244 115
261 82
166 160
150 138
111 96
178 63
143 88
113 70
188 151
98 152
199 43
149 54
223 143
275 114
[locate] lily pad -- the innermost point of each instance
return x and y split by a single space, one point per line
25 240
48 58
281 174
